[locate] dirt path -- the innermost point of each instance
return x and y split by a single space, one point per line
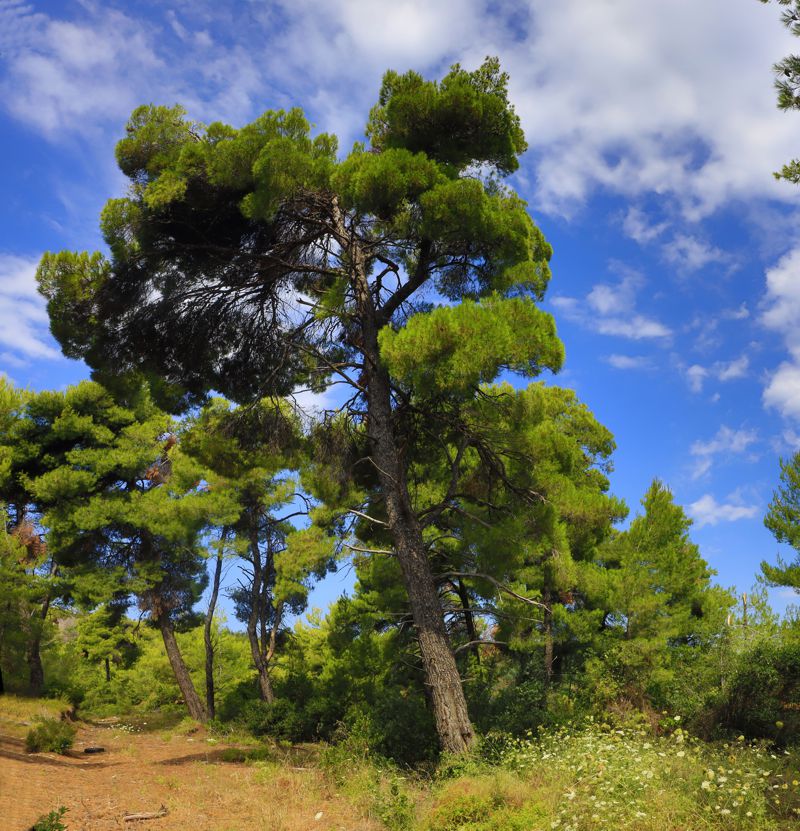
186 774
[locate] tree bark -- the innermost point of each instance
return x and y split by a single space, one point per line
439 664
189 693
548 638
212 605
108 669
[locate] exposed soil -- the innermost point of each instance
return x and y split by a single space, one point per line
140 772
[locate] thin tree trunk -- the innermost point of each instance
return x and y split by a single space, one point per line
260 662
212 605
108 669
548 642
33 649
35 668
189 693
469 620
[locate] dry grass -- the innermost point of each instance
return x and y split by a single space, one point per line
17 713
184 770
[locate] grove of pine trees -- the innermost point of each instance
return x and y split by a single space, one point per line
468 492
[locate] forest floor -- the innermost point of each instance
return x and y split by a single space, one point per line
204 784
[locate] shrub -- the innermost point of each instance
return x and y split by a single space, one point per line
50 736
763 696
51 821
491 802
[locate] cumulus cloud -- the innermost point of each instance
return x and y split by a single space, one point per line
626 362
707 511
610 309
782 314
584 78
638 226
725 443
691 254
723 371
23 316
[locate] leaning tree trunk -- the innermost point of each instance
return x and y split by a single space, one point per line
441 671
189 693
439 664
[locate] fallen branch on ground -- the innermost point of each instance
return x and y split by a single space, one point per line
161 812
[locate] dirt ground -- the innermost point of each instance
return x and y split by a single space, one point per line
185 773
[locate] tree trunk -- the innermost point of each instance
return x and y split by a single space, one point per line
35 668
262 667
439 663
260 661
108 669
548 638
189 693
441 671
2 683
469 620
33 649
212 605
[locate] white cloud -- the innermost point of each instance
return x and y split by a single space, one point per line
733 369
723 371
782 314
707 511
628 361
610 309
725 442
691 254
639 228
696 376
739 313
783 390
23 316
673 99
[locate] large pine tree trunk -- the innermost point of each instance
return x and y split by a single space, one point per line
438 661
441 671
189 693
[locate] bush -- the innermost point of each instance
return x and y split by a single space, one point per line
50 736
763 696
492 802
51 821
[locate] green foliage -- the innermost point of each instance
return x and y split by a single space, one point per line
50 735
51 821
497 801
762 694
454 349
464 119
783 519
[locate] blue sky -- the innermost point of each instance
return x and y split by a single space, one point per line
653 136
